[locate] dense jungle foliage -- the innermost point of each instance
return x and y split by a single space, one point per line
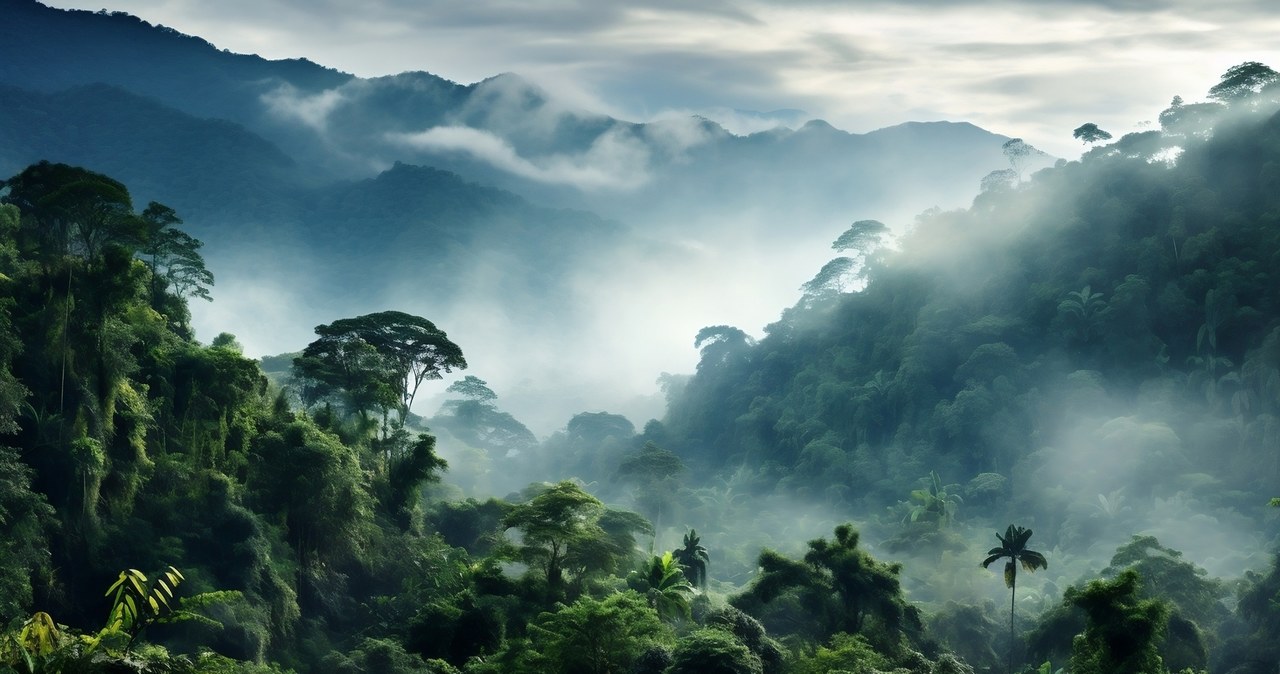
1091 352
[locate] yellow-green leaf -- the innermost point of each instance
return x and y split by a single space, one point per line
116 585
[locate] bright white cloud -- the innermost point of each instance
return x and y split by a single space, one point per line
311 109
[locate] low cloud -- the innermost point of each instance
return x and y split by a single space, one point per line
312 110
741 122
616 160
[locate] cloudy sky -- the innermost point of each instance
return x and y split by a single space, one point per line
1035 69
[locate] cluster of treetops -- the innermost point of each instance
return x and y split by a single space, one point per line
166 507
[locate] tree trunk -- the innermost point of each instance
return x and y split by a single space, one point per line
1013 593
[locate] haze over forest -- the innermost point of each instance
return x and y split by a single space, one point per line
718 228
338 373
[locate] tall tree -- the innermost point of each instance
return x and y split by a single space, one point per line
1013 545
475 419
377 361
1090 134
473 388
829 282
551 525
1019 153
862 240
1243 82
71 210
654 473
173 256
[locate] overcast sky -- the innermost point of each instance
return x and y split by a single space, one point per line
1035 69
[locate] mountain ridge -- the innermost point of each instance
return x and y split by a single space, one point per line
609 208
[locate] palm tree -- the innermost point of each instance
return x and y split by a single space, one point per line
663 584
693 559
1013 544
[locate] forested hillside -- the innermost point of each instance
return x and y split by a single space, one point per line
1090 353
580 215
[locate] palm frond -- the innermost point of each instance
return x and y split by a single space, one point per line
1032 560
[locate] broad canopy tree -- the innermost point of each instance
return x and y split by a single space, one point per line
69 210
1244 82
375 362
861 242
1019 153
1090 134
565 529
173 256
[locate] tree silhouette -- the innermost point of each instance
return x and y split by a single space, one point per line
551 523
377 361
693 558
1013 545
173 256
1090 134
1019 153
1244 81
840 584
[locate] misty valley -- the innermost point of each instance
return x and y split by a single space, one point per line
306 372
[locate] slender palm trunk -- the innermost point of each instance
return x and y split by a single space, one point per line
1013 593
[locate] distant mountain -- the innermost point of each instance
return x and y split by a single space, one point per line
746 122
494 206
237 191
49 50
505 130
191 164
434 226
